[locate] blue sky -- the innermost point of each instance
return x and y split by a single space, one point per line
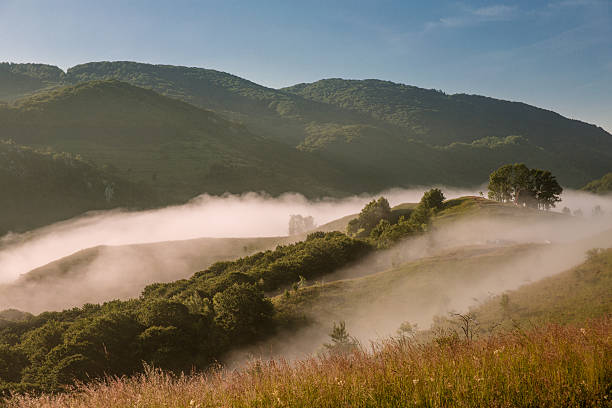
554 54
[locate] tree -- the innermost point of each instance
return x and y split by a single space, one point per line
433 199
242 311
341 341
369 217
299 224
509 183
523 186
544 188
597 211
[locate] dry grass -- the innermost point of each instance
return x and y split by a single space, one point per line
555 366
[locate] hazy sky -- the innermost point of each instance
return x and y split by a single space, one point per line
554 54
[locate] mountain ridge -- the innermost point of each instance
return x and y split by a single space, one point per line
379 132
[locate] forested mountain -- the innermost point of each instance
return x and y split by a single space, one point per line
468 122
359 135
42 187
178 149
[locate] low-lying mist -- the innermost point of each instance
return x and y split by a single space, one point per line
450 269
246 215
121 252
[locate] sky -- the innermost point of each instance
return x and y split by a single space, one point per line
554 54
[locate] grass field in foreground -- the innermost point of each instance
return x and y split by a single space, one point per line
550 367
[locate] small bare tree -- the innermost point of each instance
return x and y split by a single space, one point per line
468 323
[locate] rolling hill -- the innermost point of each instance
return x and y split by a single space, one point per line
178 149
378 132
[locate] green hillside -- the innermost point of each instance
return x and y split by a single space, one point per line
176 148
600 186
17 80
470 124
40 187
578 294
382 133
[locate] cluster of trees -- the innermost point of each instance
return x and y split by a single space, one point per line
523 186
383 226
177 326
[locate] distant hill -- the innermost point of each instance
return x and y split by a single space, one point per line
178 149
467 123
600 186
371 134
17 80
40 187
389 128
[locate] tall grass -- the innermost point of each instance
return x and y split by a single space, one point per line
555 366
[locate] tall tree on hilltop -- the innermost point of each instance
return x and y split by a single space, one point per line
523 186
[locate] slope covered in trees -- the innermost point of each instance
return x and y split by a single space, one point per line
600 186
178 326
17 80
382 133
176 148
42 187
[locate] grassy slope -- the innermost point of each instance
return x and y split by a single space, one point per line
578 294
553 367
41 187
431 283
547 366
421 285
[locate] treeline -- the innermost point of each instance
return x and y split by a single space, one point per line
383 226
